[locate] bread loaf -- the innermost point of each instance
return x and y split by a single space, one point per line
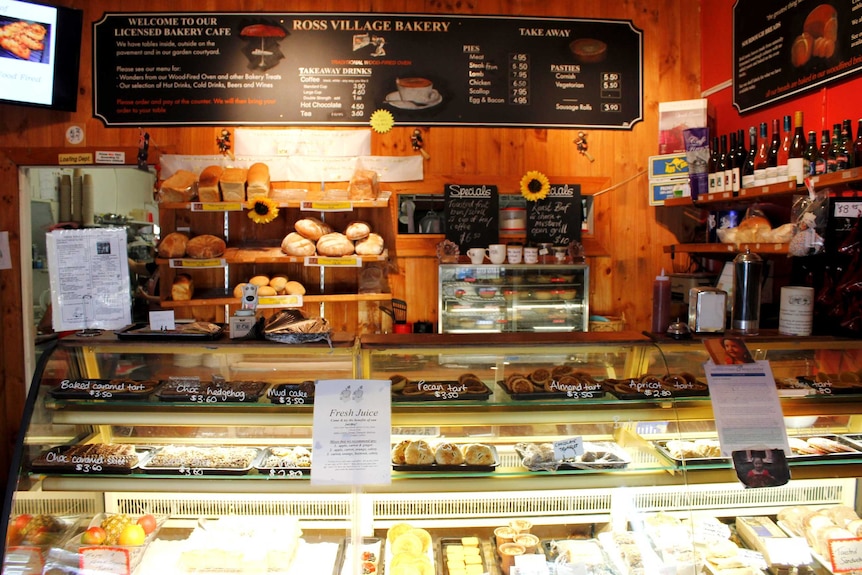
180 187
232 183
266 291
363 185
183 288
258 181
294 244
294 288
173 245
278 283
312 228
334 244
205 246
370 246
208 190
357 231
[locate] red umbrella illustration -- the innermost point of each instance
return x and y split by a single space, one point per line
263 31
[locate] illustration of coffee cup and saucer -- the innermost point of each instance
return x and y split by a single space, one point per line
414 93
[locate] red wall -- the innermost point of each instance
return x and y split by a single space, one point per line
822 106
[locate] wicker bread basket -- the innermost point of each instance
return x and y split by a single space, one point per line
614 323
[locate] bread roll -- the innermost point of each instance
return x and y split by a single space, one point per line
237 291
208 190
418 453
294 288
294 244
173 245
205 246
183 288
258 181
478 454
370 246
448 454
357 231
232 183
266 290
312 228
398 452
334 244
363 185
259 281
278 283
180 187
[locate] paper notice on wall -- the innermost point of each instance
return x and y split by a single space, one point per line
5 256
249 142
89 278
351 434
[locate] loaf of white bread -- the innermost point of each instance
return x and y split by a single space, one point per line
258 181
183 288
232 184
208 190
180 187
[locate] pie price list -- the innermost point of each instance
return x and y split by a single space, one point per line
612 89
519 79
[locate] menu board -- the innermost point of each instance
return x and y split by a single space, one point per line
224 68
472 215
781 49
557 218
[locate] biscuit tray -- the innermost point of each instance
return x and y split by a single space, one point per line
441 468
606 455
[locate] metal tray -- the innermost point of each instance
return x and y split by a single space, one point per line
846 440
104 389
211 392
443 565
462 467
285 472
194 471
661 447
564 395
142 332
448 392
568 465
87 468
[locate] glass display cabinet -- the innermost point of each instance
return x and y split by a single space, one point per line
490 298
207 445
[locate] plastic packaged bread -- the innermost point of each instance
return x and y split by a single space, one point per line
180 187
232 184
363 185
258 181
208 190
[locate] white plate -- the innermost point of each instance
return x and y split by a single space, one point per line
394 99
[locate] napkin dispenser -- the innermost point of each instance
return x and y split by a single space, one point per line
707 310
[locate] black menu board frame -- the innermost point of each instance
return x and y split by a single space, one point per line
472 215
557 218
225 68
783 49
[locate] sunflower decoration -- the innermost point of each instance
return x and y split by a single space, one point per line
535 186
262 210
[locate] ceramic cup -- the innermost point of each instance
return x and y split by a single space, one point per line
418 90
514 253
497 253
531 255
476 255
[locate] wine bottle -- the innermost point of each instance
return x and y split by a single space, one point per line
772 155
748 166
797 166
713 164
847 142
741 153
825 144
724 166
784 151
857 145
834 145
840 151
733 164
812 154
760 161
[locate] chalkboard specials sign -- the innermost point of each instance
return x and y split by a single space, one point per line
557 218
472 215
219 68
783 48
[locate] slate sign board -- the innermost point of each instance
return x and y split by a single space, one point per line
557 218
782 49
472 215
223 68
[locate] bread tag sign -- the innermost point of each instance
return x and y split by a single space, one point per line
472 215
845 554
556 219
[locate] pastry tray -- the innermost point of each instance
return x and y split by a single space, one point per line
847 440
290 394
369 544
597 393
210 392
598 465
88 468
104 389
142 332
448 391
654 394
607 567
197 471
830 388
661 448
443 564
286 472
441 468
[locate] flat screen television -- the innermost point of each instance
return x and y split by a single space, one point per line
40 51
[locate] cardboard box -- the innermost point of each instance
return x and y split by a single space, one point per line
660 190
674 117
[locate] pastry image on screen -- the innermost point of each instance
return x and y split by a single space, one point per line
24 40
